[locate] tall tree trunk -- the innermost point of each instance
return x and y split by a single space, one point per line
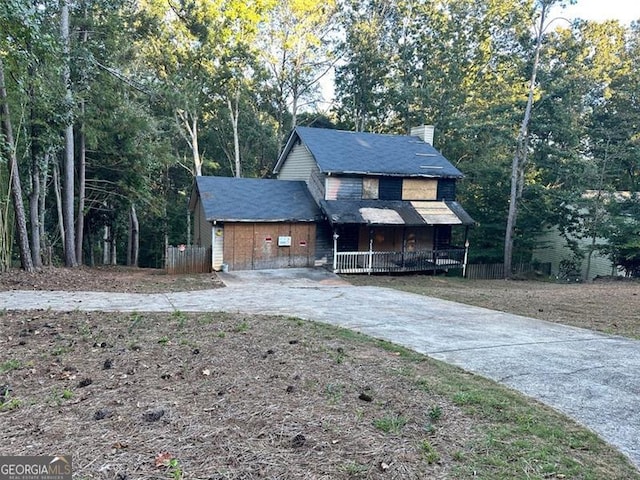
189 123
16 187
36 152
81 190
70 259
134 238
42 208
84 36
57 189
106 246
520 157
234 112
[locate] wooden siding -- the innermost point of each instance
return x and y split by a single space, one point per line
419 189
343 188
298 165
370 188
317 184
447 189
390 188
201 227
254 246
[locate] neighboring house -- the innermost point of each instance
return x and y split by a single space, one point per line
254 224
554 248
389 200
388 204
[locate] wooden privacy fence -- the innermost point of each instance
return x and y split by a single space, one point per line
495 271
187 259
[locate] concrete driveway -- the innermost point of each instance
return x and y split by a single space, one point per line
591 377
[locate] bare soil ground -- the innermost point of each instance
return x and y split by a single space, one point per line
607 305
106 279
229 396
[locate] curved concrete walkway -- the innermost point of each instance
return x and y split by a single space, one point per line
591 377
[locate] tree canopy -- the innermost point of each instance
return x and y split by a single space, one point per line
114 119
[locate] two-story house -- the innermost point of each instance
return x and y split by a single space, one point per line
390 200
387 201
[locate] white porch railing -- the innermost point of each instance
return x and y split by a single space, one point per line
388 262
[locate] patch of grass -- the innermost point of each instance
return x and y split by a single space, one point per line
11 404
163 340
435 413
59 351
67 394
355 469
175 469
135 320
242 327
334 392
10 365
390 423
180 317
429 452
205 319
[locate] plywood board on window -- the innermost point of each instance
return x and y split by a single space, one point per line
370 188
419 189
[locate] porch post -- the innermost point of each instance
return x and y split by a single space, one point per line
370 254
466 258
335 252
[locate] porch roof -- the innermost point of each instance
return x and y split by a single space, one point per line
395 212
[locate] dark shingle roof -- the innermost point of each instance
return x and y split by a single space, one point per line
339 151
256 200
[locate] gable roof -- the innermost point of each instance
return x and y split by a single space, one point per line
233 199
344 152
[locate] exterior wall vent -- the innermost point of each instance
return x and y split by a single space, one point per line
425 132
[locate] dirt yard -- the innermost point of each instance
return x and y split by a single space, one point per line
224 396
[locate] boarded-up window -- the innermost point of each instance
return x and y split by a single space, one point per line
419 189
370 188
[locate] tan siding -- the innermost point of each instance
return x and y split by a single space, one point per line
298 165
370 188
419 189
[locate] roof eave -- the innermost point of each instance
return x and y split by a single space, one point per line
387 174
285 151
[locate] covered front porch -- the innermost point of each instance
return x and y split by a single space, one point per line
397 236
360 249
